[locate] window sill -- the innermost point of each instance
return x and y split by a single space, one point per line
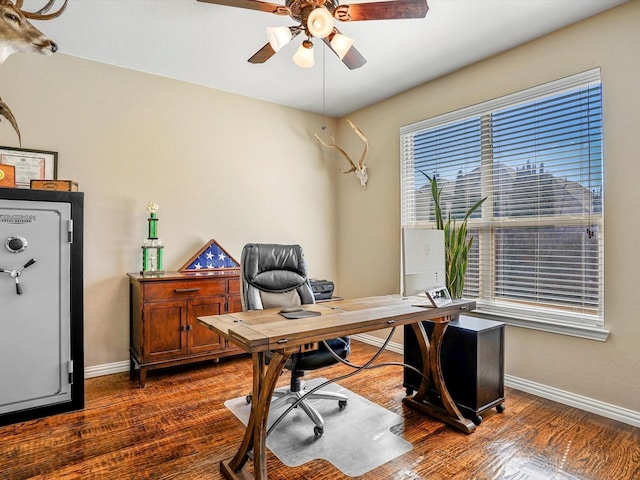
581 331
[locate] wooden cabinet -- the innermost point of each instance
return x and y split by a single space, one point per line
164 328
472 358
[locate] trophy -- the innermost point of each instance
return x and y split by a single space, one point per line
152 248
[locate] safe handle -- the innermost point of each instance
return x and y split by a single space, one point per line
29 263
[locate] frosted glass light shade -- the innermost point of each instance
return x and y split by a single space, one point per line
278 37
341 44
304 56
320 22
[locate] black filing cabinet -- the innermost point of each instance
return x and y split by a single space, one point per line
472 358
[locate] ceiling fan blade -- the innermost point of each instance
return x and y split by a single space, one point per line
266 52
262 55
382 10
252 5
353 58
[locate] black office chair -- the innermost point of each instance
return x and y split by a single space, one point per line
276 276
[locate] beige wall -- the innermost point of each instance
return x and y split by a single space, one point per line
219 166
369 223
238 170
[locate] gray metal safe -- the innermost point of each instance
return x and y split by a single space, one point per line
41 303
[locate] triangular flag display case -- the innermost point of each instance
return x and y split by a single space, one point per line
210 257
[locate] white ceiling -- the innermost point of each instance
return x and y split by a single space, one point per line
209 45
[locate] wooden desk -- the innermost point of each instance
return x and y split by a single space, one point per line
260 331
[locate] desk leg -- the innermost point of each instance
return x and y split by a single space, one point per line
255 436
443 407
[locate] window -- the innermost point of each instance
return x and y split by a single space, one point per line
537 256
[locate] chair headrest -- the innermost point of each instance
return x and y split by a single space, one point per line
273 267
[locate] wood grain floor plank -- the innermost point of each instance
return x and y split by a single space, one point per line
177 428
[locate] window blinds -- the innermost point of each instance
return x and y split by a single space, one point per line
537 157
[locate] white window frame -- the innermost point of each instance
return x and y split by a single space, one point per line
551 320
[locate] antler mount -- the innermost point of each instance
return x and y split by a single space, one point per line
42 13
359 168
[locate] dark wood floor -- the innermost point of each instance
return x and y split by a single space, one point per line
178 428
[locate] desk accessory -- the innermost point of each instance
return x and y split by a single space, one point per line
322 289
438 296
299 314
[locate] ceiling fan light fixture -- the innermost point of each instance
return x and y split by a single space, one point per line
320 22
304 56
341 44
278 37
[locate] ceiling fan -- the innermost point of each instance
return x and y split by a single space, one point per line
316 19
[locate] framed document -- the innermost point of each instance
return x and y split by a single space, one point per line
30 164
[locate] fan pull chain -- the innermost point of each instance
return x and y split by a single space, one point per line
324 50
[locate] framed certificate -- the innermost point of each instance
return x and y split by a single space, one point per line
30 164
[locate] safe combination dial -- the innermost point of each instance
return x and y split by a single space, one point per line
16 244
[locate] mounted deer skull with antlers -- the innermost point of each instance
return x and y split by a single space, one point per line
18 35
360 168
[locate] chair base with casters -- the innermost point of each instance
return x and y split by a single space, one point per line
286 396
295 391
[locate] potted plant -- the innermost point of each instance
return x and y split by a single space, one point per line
456 242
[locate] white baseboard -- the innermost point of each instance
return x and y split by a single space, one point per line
106 369
119 367
603 409
378 342
607 410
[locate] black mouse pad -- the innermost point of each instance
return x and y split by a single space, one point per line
299 314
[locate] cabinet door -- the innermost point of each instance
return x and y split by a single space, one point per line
35 307
203 339
164 331
235 304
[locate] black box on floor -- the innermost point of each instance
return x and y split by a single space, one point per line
472 356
